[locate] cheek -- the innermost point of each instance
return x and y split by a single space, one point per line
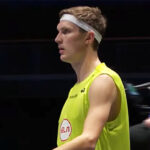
73 42
72 37
70 43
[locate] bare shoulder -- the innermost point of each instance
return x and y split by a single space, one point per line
104 93
103 82
103 88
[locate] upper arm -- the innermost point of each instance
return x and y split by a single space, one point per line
102 95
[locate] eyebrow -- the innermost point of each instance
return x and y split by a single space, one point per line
63 28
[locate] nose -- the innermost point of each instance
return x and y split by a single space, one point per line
58 38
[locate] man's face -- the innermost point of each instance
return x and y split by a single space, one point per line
71 42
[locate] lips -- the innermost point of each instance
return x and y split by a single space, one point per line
61 50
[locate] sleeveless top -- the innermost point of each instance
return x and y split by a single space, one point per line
114 135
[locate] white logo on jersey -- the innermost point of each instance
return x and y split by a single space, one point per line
65 130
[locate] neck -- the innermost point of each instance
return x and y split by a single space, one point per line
86 66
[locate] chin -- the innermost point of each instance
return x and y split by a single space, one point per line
63 59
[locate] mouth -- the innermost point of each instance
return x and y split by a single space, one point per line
61 50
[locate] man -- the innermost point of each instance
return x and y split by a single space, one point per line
147 122
95 115
140 135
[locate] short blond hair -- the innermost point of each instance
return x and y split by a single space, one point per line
90 15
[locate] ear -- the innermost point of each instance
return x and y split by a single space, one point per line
90 37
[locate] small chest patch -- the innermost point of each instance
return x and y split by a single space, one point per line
65 130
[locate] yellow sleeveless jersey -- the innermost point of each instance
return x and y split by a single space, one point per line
115 134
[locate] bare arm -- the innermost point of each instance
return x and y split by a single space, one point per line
147 122
102 96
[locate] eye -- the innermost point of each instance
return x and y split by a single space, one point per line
65 31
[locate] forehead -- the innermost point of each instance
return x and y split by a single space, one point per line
66 24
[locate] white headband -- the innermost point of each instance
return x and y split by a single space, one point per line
82 25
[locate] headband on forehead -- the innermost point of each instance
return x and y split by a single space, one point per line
82 25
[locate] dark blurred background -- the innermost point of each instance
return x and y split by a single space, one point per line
34 83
